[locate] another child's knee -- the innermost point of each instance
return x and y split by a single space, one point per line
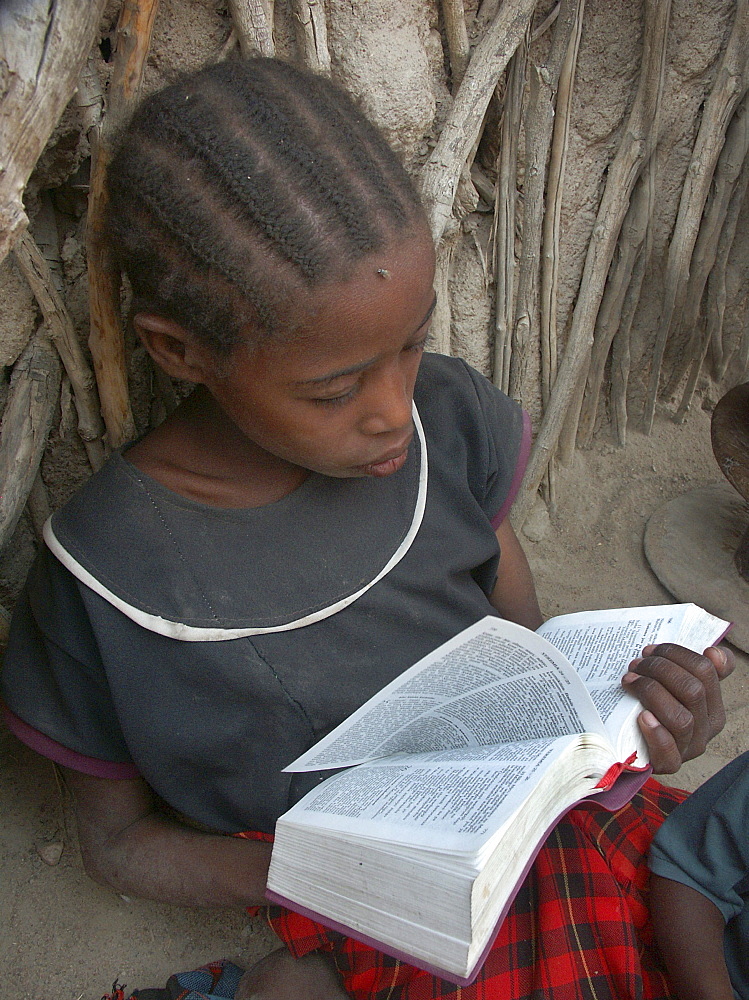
280 976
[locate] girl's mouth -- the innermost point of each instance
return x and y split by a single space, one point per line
387 467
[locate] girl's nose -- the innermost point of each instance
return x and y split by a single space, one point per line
388 403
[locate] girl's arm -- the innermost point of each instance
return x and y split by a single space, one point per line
127 844
689 930
514 594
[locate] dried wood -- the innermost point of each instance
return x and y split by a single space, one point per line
730 86
716 283
716 298
312 34
504 221
636 148
621 352
43 48
629 250
705 252
551 226
27 420
547 22
254 24
454 16
544 81
106 338
440 175
37 272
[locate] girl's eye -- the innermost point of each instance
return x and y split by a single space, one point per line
338 400
419 345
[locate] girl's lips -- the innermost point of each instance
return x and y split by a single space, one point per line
388 467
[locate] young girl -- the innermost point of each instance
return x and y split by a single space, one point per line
325 508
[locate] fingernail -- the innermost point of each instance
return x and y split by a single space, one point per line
649 720
629 677
648 650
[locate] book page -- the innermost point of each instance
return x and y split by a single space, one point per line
496 682
448 801
601 644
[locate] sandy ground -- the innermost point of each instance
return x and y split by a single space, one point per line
65 938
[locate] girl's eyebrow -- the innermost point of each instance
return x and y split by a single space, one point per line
353 369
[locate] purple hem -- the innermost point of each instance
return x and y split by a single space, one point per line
522 462
47 747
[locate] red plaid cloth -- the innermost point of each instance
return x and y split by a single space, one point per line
578 929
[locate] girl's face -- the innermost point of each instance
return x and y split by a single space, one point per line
335 397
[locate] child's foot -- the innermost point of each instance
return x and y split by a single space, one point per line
280 976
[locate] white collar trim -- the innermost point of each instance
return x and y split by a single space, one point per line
191 633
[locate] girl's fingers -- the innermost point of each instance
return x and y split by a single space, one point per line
722 659
664 754
684 723
682 691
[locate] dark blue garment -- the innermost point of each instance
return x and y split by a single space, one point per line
211 724
704 844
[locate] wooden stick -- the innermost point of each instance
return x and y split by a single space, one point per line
705 252
254 27
544 81
457 38
106 339
37 272
440 175
312 34
27 419
716 283
730 86
43 48
636 147
504 215
551 227
621 353
716 297
608 322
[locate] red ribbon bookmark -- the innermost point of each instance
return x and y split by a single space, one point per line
610 777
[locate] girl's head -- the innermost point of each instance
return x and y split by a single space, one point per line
254 206
243 188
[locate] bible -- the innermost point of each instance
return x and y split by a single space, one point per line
447 782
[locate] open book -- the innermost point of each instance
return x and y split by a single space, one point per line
457 771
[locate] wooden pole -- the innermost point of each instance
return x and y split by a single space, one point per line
26 423
730 86
636 147
457 38
312 34
43 47
441 173
505 341
106 338
544 81
253 21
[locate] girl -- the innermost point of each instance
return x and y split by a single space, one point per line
324 509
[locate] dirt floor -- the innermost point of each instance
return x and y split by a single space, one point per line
64 938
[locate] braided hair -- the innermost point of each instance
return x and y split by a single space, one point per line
242 186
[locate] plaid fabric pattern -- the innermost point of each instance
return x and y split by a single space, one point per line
578 928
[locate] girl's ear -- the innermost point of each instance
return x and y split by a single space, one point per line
174 349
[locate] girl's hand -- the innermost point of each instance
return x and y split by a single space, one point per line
680 692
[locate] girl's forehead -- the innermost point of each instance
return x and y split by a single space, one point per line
383 304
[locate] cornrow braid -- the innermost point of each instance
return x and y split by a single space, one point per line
242 185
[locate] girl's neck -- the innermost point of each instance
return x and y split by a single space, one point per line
199 453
